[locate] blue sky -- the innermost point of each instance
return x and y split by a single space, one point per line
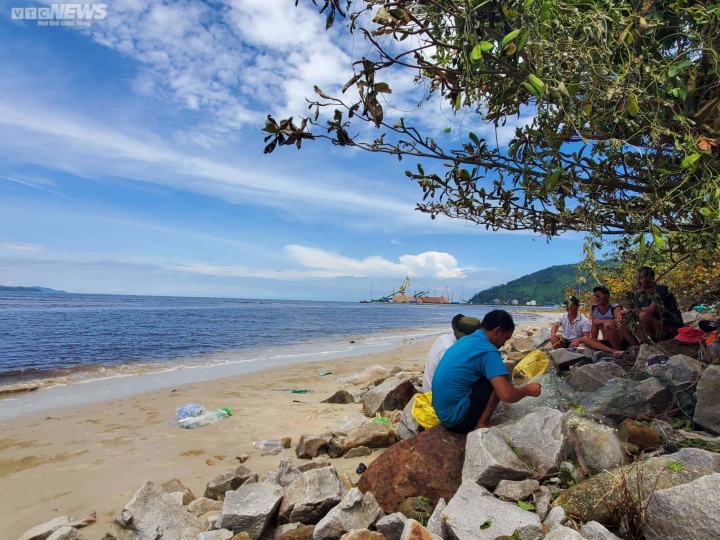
131 163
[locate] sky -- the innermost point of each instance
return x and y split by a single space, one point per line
131 163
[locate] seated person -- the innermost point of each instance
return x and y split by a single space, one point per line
603 317
658 315
461 326
472 379
574 326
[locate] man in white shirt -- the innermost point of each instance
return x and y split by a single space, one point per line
462 326
575 326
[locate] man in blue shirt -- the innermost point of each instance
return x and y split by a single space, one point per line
472 379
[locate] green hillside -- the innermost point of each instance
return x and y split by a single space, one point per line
546 285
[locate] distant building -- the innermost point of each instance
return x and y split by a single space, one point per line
514 302
531 303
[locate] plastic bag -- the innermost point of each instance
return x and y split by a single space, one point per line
371 373
534 364
423 411
352 423
189 411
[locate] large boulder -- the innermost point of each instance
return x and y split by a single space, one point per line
707 410
489 459
436 524
49 528
311 446
355 511
474 514
429 465
229 481
686 511
592 377
370 435
656 393
616 401
311 496
250 508
393 394
564 359
152 513
67 533
683 371
599 445
176 486
541 338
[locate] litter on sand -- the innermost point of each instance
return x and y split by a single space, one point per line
293 390
323 373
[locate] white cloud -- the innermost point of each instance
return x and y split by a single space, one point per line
20 247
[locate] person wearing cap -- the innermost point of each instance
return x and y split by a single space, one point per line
659 315
472 379
574 325
461 326
603 315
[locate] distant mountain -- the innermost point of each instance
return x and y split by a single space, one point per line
4 288
546 285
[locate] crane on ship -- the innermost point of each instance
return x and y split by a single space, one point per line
401 290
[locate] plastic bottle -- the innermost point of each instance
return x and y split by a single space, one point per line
269 445
208 417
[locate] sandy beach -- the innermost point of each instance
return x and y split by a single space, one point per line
94 457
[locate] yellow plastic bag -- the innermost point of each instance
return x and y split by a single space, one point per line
423 411
534 364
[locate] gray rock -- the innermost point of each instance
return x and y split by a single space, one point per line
555 518
287 472
355 511
617 400
645 352
683 371
314 464
335 447
415 531
592 530
436 524
563 533
392 525
177 497
473 506
220 534
250 508
176 486
655 393
541 498
282 529
311 496
564 359
541 338
203 505
697 457
509 490
359 451
152 513
522 344
67 533
42 531
685 511
489 459
599 445
210 523
393 394
229 481
707 410
408 427
311 446
541 438
592 377
341 396
371 435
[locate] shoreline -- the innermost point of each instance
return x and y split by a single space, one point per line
93 457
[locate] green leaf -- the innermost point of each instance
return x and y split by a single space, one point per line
530 88
689 161
447 130
523 40
510 37
458 101
676 466
525 505
474 138
528 3
633 107
486 524
657 235
383 88
476 53
545 11
554 177
705 212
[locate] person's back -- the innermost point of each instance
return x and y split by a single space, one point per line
437 351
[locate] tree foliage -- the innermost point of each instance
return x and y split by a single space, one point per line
624 98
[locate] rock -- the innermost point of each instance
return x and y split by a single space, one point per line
641 480
220 534
509 490
176 486
177 497
617 400
203 505
67 533
341 396
153 513
335 447
40 532
414 531
436 524
286 442
310 446
250 508
392 394
564 359
314 464
417 508
393 416
599 445
355 511
392 525
707 410
229 481
645 352
282 529
522 345
683 371
555 518
541 498
541 338
685 511
639 434
311 496
592 530
359 451
591 377
409 427
473 508
697 457
371 435
362 534
303 532
287 472
563 533
429 465
655 393
242 458
489 459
